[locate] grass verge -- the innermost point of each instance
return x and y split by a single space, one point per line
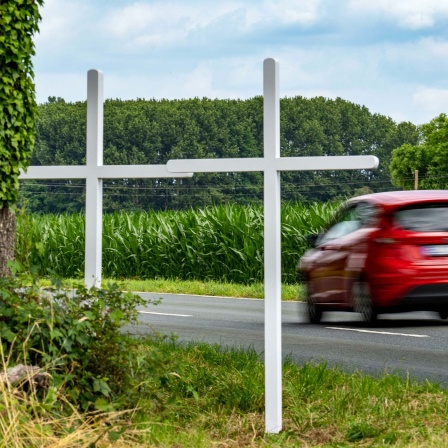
217 396
197 395
209 288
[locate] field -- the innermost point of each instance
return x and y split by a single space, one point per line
220 243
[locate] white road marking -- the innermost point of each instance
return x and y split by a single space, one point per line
380 332
166 314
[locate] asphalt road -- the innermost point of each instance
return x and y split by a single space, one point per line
408 343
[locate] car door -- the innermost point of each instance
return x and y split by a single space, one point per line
333 249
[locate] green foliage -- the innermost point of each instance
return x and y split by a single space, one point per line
206 377
74 335
219 392
405 160
18 23
429 158
222 243
200 396
153 132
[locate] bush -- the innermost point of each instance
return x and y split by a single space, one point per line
74 335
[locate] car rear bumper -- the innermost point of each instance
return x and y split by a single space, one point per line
413 295
426 297
394 280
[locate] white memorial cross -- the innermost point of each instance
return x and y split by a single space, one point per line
271 165
94 172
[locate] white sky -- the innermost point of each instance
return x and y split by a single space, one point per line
389 55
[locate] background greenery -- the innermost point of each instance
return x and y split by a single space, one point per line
154 131
429 157
18 22
222 243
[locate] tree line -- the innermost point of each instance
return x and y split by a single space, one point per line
429 157
155 131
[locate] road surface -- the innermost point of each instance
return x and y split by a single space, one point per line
408 343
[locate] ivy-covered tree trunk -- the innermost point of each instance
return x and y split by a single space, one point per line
7 238
18 22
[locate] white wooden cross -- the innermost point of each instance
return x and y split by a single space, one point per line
272 164
94 172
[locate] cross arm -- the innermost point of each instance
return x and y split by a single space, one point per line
55 172
326 163
279 164
100 172
215 165
137 172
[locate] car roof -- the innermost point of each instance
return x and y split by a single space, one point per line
394 199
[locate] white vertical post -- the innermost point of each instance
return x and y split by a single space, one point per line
271 165
94 172
94 185
272 249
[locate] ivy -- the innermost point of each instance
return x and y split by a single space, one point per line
19 21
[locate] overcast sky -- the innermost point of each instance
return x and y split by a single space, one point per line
389 55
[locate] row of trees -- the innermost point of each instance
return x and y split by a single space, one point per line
153 131
429 157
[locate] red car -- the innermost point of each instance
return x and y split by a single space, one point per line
384 252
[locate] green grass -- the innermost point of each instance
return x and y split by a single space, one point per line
197 395
216 396
196 287
207 396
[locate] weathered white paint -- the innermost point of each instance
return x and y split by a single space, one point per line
94 172
271 165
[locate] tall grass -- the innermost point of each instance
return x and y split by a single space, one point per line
26 422
223 243
197 395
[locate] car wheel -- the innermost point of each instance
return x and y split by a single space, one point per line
314 311
443 314
362 301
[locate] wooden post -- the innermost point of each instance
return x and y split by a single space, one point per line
416 180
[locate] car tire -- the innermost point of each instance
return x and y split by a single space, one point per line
443 314
362 301
314 312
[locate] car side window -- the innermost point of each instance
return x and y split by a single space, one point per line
368 214
358 215
340 229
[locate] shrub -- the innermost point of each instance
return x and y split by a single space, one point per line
75 335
